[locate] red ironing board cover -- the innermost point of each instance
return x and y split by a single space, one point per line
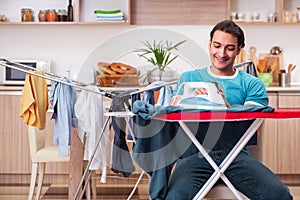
229 116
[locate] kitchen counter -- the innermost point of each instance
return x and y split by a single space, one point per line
283 89
269 89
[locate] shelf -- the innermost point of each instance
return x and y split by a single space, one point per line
83 11
263 8
64 23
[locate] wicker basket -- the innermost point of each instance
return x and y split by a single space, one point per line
106 80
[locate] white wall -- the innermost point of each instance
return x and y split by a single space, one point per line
69 45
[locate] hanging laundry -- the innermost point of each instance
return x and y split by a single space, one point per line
34 101
165 93
121 159
63 98
89 112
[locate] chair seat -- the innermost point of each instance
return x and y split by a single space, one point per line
221 191
49 154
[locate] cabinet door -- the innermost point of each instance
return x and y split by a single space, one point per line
288 146
145 12
266 149
288 137
15 156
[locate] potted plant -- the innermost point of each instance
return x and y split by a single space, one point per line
160 55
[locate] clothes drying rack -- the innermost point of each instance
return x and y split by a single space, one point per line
82 86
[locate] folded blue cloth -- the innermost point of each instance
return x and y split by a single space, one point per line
148 111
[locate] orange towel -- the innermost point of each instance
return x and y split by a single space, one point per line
34 101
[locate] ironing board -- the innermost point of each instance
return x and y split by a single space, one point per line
258 117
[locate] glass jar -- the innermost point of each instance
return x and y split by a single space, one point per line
42 15
62 15
51 15
27 15
298 8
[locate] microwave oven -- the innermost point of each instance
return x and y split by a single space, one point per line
15 77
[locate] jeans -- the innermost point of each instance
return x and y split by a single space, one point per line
248 176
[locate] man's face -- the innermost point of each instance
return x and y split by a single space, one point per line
223 49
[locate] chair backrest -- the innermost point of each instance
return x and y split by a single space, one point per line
248 67
36 139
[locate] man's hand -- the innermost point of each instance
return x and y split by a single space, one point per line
203 91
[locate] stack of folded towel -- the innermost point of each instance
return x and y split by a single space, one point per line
109 15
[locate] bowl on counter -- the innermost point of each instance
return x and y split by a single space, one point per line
267 78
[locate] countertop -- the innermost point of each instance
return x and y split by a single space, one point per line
18 89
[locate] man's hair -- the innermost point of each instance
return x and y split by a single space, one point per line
232 28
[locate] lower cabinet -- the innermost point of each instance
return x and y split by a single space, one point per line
14 147
278 143
278 140
288 137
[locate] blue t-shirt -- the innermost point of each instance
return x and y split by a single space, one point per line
239 88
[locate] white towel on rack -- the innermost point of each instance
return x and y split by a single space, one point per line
89 111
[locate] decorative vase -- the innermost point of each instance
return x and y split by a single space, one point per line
158 75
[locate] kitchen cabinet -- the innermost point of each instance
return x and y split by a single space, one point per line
264 9
177 12
15 167
158 12
278 140
83 10
15 156
288 136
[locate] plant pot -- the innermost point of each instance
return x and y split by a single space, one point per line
165 76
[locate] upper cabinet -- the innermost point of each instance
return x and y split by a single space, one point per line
268 11
177 12
83 11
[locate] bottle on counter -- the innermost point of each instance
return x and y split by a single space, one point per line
70 11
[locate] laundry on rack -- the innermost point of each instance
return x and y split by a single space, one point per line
63 98
89 111
121 159
34 101
165 93
134 98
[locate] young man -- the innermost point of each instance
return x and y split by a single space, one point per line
247 175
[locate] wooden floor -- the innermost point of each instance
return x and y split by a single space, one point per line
59 192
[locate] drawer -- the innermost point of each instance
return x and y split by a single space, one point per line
289 101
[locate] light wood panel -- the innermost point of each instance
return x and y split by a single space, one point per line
289 101
288 146
14 146
266 149
158 12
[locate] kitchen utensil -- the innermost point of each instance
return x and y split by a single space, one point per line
261 65
252 56
275 50
284 79
291 67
